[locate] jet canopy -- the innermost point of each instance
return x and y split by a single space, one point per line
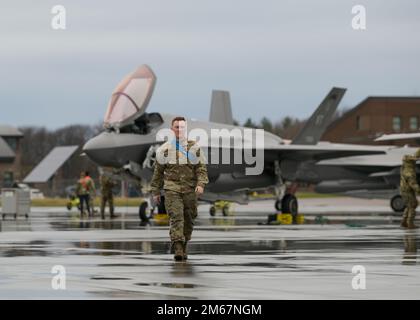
130 98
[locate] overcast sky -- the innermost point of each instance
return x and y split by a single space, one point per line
276 57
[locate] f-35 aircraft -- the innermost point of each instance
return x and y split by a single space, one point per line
132 136
371 177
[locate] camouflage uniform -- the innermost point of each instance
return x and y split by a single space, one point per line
106 195
179 170
92 194
409 188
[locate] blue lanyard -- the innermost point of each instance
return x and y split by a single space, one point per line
182 150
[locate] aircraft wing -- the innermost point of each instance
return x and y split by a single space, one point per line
385 174
393 158
321 151
371 194
398 136
358 161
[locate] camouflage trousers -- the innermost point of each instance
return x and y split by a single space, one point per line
182 211
409 197
110 199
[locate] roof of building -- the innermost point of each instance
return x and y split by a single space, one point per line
358 106
50 164
5 151
9 131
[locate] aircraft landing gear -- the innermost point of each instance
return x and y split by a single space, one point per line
397 203
212 211
277 205
286 200
146 214
288 204
224 206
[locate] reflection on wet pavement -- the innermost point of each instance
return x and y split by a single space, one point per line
235 257
170 285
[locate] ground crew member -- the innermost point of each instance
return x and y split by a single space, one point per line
409 188
92 194
106 195
84 188
181 171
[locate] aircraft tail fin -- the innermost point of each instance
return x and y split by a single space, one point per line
315 127
221 110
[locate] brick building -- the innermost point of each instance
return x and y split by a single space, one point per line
374 117
10 155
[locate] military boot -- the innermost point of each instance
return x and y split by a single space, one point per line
185 250
178 250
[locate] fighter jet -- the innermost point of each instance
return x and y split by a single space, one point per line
371 177
132 135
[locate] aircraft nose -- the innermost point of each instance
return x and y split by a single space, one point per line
99 149
110 149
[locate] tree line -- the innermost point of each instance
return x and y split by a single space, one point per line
37 142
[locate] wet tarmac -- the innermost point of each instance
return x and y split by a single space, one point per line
234 257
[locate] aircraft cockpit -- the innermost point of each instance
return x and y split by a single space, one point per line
143 124
126 110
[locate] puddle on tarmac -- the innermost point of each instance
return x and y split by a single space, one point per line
135 224
109 278
96 224
123 247
32 248
171 285
263 247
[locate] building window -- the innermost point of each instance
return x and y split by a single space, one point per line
7 179
414 123
396 124
358 123
362 123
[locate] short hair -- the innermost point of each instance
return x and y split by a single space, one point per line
177 119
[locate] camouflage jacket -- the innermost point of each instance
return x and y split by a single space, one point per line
179 169
106 185
85 186
408 174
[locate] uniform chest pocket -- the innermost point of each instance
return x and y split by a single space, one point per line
172 172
